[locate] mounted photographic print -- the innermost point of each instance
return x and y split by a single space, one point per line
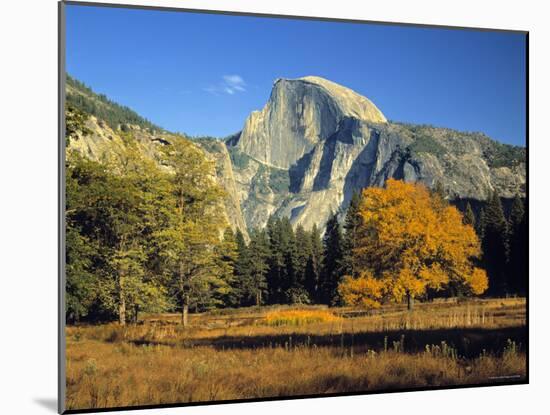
260 207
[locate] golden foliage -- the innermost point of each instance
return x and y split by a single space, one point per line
299 317
410 240
363 291
478 281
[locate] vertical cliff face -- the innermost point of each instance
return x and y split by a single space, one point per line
103 143
216 151
300 114
313 145
326 142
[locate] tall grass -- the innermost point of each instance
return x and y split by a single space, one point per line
123 375
299 317
285 351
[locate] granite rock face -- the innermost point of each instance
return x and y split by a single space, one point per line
299 114
315 143
103 143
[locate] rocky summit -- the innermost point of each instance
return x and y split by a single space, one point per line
316 142
300 114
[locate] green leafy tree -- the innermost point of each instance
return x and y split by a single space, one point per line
188 244
75 123
109 206
79 289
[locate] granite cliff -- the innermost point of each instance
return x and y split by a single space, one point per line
315 143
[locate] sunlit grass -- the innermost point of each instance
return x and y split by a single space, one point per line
299 317
285 351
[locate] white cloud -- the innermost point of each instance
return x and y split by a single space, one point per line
211 90
230 84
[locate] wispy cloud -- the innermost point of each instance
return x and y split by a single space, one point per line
234 83
230 84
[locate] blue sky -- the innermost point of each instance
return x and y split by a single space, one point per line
202 74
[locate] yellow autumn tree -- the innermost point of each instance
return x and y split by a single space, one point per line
408 241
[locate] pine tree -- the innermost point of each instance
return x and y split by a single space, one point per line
276 259
282 259
351 224
469 217
299 293
518 248
242 273
314 265
516 212
257 268
494 245
439 190
289 280
480 225
332 261
226 261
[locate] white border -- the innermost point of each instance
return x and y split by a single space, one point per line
28 227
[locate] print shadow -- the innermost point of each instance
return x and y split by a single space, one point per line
48 403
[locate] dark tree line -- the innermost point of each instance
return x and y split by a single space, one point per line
504 244
285 265
282 265
279 265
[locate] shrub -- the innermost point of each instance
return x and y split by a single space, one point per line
427 144
279 180
238 158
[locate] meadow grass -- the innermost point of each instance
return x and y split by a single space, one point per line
240 355
299 317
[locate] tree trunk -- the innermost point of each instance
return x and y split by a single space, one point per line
258 298
410 301
184 297
185 311
121 301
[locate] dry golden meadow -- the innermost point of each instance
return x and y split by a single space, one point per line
285 351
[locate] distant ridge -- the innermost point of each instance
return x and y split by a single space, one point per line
115 115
